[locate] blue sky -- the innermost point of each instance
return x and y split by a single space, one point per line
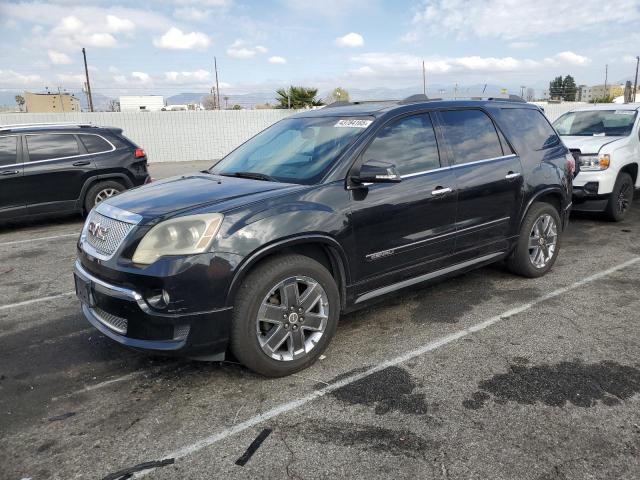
167 46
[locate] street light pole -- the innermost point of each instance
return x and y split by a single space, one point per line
635 84
86 74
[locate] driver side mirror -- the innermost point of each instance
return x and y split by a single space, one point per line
376 171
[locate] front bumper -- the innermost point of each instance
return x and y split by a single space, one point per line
585 199
122 314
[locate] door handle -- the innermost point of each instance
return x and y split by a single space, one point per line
6 173
81 163
440 191
512 175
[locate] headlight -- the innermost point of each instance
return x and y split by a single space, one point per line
180 236
594 162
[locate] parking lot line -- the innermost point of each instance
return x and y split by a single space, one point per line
294 404
39 239
35 300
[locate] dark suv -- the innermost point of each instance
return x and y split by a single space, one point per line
46 168
320 214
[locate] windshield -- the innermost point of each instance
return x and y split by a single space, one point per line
295 150
599 123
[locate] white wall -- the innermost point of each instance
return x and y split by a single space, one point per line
134 103
172 136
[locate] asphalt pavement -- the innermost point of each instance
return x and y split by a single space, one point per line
483 376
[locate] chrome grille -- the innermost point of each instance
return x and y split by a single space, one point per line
115 323
115 232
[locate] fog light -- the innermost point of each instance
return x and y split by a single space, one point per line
591 188
160 299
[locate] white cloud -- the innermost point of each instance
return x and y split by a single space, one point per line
71 79
206 3
176 39
13 79
117 24
187 77
351 40
59 58
524 19
329 9
241 50
141 76
191 14
277 60
570 58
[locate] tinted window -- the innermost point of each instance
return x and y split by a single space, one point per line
530 126
471 135
409 143
95 144
48 146
8 150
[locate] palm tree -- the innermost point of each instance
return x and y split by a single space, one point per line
298 97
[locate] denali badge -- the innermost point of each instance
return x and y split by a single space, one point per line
98 231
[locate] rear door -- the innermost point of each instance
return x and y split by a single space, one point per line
12 199
403 228
489 180
56 167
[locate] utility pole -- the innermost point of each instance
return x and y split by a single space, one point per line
86 74
522 87
215 66
60 98
606 77
424 79
635 84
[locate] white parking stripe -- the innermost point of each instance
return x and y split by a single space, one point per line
18 242
35 300
287 407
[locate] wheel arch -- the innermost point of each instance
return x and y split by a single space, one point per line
551 195
322 248
91 181
631 169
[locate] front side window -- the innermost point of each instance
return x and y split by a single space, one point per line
596 123
470 135
294 150
95 144
529 126
49 146
410 144
8 150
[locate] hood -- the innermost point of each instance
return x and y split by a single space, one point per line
189 192
589 144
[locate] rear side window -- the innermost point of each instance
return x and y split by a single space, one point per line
8 150
95 144
51 146
409 143
530 126
470 135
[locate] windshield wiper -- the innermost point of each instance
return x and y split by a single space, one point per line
251 175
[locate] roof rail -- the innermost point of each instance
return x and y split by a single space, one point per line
18 126
423 98
419 97
343 103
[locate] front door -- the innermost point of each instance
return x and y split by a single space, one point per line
489 181
55 171
404 228
12 199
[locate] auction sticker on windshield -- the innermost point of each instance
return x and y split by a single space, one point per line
353 123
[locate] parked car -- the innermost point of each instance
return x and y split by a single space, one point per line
47 168
321 214
606 141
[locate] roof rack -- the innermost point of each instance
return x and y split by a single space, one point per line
344 103
24 126
423 98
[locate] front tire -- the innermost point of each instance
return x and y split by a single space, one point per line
621 197
285 314
100 192
538 243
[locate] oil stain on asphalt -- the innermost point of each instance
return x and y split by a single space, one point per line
576 383
388 390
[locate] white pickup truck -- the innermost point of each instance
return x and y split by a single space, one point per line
605 139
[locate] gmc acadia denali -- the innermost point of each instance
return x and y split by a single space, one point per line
320 214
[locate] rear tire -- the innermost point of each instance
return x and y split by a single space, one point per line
621 198
300 299
101 191
538 243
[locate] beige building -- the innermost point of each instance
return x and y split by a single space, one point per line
50 102
588 94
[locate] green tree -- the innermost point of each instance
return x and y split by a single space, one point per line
236 107
297 97
569 89
20 101
556 88
338 94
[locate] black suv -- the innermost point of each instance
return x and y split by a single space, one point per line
46 168
320 214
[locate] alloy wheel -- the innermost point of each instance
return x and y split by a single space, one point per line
624 198
292 318
106 193
543 240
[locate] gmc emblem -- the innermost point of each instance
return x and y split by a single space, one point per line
98 231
